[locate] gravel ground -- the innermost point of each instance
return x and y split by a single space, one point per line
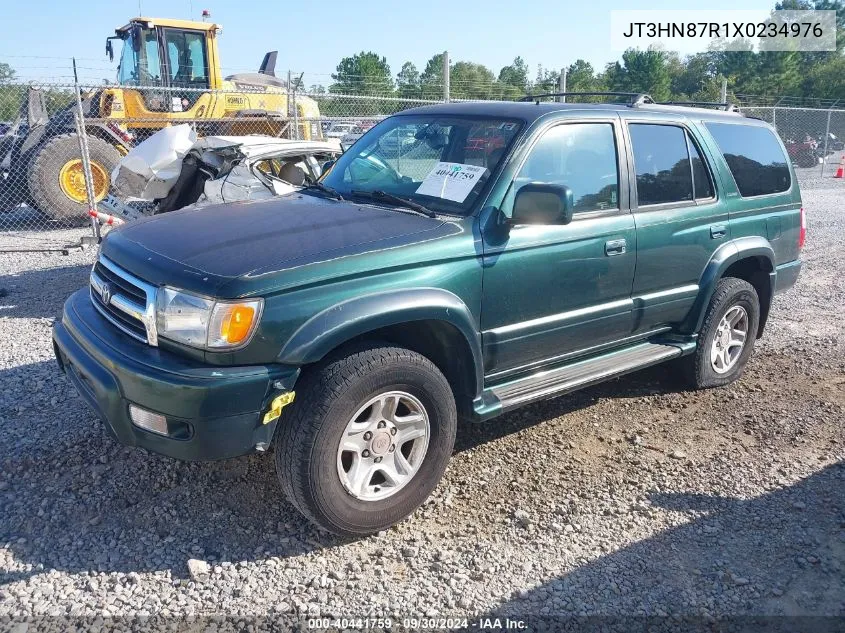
632 498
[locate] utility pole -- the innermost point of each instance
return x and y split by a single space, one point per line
562 84
446 76
723 94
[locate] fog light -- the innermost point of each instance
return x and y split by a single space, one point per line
148 420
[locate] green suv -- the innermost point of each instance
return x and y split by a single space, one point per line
458 261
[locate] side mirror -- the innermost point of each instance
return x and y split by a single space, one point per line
109 50
327 166
538 203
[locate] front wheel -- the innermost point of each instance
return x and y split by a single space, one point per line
367 439
56 177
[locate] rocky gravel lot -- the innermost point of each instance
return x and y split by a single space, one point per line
632 498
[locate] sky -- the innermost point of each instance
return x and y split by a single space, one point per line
39 38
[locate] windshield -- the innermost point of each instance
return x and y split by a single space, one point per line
442 162
139 60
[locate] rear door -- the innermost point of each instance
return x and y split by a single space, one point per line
680 217
765 200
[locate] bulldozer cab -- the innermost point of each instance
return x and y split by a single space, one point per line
169 73
175 55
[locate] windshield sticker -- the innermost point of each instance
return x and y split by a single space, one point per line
451 181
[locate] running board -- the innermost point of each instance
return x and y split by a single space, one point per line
561 380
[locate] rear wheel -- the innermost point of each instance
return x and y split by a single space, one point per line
56 178
366 440
726 339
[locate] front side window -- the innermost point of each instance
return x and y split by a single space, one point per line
754 156
442 162
139 60
581 156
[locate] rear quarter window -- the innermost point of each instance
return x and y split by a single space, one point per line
754 156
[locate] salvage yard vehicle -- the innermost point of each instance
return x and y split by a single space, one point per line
349 326
339 129
173 169
169 73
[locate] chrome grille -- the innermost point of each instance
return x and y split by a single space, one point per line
124 300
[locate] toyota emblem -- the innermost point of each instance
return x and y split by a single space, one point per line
105 293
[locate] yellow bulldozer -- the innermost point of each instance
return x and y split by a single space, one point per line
168 73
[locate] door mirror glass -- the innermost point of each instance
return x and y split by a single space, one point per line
327 166
538 203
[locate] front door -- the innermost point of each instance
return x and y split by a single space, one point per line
550 290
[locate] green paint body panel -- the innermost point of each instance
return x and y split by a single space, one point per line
517 299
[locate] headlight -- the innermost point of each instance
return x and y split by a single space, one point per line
205 323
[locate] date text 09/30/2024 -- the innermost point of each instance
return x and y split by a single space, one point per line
433 624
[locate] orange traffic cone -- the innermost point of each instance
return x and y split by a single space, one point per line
840 173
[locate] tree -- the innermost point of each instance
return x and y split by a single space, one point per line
581 77
471 81
431 80
693 76
515 74
826 81
363 74
408 82
643 71
7 73
546 80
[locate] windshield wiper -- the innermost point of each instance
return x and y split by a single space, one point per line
378 194
331 191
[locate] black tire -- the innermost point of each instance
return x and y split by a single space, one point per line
44 169
808 159
729 292
310 429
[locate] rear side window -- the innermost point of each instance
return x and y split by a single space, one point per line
754 157
661 159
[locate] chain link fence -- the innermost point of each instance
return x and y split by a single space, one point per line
44 192
814 137
45 195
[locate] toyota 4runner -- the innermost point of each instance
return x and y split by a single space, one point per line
459 261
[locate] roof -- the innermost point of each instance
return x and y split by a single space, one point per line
531 111
173 23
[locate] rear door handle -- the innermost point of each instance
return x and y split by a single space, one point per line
615 247
718 231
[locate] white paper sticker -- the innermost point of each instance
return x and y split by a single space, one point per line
451 181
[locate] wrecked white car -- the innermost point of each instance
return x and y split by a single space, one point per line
173 169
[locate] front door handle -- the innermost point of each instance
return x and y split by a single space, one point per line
615 247
718 231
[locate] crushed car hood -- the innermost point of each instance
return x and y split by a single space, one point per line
259 238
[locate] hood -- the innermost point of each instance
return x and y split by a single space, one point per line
255 238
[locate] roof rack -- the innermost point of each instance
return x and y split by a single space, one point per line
727 106
635 98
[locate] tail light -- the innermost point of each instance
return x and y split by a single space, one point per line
802 234
126 137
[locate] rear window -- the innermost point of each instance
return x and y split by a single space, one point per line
754 157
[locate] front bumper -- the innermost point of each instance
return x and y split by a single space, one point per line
217 411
